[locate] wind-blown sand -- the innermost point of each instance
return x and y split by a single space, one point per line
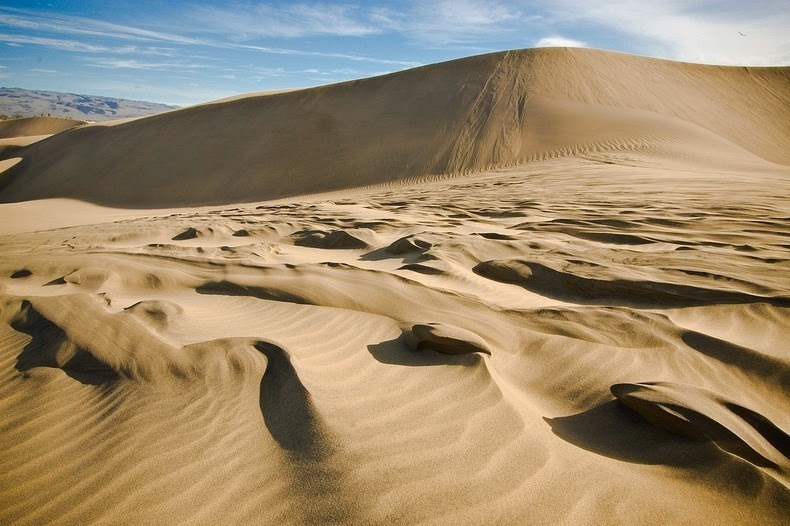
550 287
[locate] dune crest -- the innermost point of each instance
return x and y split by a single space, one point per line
31 126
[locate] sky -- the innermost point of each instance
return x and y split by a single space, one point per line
187 52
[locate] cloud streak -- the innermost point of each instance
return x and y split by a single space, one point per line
332 21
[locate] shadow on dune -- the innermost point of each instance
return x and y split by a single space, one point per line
313 458
50 346
565 286
617 432
228 288
397 352
745 359
287 410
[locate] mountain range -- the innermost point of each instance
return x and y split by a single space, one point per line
30 103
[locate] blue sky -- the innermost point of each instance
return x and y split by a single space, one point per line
185 52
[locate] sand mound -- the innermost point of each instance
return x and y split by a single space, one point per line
337 239
445 339
32 126
457 117
701 415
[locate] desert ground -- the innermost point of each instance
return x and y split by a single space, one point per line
534 287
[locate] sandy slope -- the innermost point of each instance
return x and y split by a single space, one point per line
456 117
595 337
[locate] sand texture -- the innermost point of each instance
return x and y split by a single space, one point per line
549 287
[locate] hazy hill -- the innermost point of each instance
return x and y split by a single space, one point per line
30 103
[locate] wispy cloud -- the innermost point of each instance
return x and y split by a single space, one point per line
77 25
453 21
113 63
303 53
56 43
558 41
235 26
245 21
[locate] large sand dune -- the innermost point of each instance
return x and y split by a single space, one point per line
457 117
587 324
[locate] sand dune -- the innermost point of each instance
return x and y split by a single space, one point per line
593 331
31 126
457 117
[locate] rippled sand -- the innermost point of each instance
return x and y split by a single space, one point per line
599 336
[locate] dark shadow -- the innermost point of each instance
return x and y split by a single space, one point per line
56 281
767 429
11 175
380 254
332 240
316 475
495 236
565 286
287 410
752 362
398 352
615 431
51 347
21 273
410 249
422 269
189 233
228 288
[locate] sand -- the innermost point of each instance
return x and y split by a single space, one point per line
548 287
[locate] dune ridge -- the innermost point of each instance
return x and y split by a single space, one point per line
31 126
457 117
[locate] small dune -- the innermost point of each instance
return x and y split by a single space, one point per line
335 240
406 245
698 414
31 126
445 339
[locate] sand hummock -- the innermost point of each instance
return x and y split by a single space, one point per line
534 287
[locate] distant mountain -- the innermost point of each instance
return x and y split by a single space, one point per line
29 103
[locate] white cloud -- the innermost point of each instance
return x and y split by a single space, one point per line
234 25
56 43
459 21
558 41
246 21
112 63
692 30
76 25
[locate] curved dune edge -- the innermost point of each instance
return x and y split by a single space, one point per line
464 116
32 126
701 415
